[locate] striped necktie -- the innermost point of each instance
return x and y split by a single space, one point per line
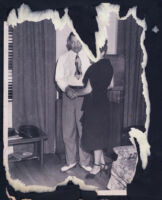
78 64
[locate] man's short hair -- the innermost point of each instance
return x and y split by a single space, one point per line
68 45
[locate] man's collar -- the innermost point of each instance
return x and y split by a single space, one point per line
74 53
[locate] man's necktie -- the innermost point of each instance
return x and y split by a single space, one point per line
78 64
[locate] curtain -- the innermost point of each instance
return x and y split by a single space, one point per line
134 103
34 93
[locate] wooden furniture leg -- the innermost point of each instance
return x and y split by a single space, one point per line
35 148
41 151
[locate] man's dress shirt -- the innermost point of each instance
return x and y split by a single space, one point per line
65 69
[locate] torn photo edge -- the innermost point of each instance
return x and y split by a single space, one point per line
143 155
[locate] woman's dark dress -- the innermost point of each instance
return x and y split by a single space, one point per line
95 119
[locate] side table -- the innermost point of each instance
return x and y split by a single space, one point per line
38 145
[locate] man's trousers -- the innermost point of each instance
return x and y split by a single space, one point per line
71 115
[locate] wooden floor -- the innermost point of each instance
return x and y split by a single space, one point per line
30 173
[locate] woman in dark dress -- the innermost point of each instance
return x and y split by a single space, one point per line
95 108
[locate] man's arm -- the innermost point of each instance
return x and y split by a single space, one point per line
61 79
59 76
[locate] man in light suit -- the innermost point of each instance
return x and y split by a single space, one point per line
70 71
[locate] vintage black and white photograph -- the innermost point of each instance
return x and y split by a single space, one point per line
68 115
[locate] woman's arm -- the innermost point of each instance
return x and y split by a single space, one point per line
111 84
84 91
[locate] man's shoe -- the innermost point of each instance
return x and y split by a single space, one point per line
67 167
86 168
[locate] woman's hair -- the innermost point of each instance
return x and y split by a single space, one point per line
104 48
68 44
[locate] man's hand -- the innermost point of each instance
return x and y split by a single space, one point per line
70 92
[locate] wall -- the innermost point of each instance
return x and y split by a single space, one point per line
112 33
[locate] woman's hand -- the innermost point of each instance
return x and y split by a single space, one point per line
74 93
71 93
84 91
